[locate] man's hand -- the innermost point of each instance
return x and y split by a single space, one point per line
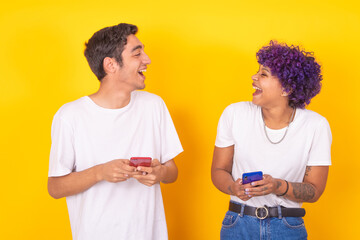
151 175
117 170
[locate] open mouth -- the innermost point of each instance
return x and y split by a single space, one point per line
141 72
257 90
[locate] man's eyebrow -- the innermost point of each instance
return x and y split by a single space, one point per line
136 48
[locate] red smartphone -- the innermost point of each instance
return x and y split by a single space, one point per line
140 161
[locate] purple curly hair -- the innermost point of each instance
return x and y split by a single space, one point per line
297 70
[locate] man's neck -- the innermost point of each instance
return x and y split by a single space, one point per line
111 96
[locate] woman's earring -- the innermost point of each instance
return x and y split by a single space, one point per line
284 94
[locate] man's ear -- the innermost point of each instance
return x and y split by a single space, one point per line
110 65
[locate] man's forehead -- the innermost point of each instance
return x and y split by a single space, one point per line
133 43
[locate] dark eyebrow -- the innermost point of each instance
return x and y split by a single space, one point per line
265 69
136 48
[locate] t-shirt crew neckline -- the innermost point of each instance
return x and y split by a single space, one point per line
109 110
281 129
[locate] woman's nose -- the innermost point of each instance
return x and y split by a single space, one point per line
254 77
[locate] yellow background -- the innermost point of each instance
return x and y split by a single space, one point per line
203 56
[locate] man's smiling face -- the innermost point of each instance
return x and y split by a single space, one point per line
134 64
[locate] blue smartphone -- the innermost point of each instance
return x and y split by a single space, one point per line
251 177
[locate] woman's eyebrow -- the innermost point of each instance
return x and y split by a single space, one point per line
266 69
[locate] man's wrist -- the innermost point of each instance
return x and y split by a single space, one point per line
98 172
163 173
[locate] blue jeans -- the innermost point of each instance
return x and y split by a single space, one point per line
238 226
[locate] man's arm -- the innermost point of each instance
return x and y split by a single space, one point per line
170 172
165 173
76 182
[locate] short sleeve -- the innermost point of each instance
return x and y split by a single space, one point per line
62 156
224 136
170 142
320 151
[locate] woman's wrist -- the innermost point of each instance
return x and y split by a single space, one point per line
283 189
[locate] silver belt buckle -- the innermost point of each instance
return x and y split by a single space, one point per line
257 212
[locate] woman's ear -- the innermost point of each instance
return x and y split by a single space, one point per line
286 93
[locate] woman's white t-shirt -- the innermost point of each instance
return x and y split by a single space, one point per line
307 143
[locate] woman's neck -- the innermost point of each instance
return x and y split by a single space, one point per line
278 117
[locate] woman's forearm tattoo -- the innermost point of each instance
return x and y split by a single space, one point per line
303 191
229 188
308 169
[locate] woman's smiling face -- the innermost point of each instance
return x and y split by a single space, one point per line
268 89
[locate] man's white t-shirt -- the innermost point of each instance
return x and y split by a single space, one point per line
307 143
84 135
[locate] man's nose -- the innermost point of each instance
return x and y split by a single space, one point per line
146 59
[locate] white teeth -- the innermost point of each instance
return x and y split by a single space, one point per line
144 70
257 88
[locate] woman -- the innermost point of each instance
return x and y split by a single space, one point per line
274 134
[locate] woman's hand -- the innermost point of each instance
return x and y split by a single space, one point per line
221 175
309 190
238 189
264 187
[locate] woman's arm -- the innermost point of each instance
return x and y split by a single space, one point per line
312 186
309 190
221 173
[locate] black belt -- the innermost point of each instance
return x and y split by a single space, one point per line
264 212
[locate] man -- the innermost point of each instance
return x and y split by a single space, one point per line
94 137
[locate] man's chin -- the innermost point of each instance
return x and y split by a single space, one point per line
141 87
